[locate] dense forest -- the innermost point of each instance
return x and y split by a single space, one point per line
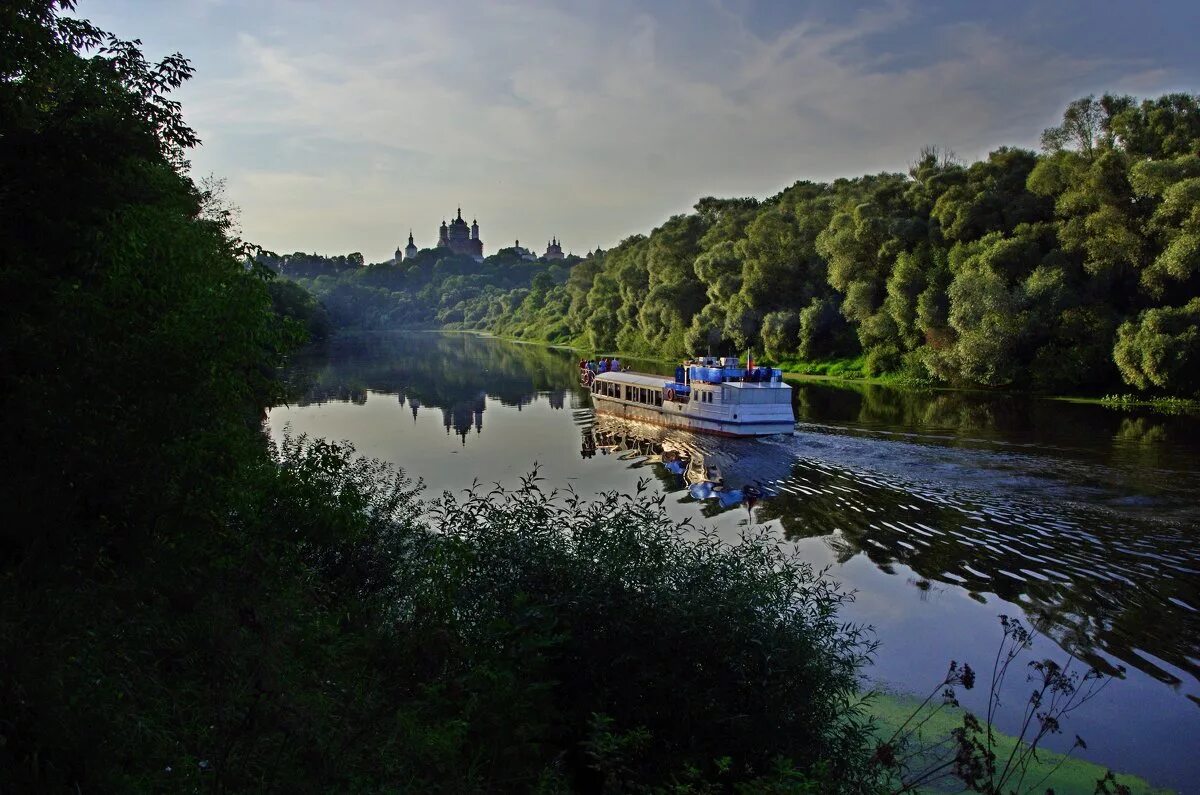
436 288
1073 269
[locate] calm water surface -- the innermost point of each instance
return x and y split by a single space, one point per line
942 510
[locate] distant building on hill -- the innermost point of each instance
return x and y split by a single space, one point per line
460 238
408 252
553 250
523 253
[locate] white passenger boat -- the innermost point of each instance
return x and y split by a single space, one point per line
708 395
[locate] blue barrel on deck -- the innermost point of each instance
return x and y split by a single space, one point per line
711 375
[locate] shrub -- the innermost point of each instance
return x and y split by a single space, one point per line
609 626
1162 349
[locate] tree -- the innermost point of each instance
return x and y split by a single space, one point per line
780 333
1161 348
1081 124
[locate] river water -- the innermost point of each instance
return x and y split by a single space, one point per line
941 510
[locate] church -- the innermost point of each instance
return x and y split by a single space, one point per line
456 236
463 239
460 238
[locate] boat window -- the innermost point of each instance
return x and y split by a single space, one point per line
658 398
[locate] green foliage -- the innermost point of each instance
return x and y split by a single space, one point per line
1161 348
614 619
292 301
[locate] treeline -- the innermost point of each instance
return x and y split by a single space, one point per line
1075 268
433 289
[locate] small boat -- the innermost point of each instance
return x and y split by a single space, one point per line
708 395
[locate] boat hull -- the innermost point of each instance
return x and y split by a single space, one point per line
674 415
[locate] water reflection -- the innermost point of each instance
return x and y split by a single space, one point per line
1108 590
1105 560
453 374
675 458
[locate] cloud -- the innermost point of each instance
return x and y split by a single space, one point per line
338 130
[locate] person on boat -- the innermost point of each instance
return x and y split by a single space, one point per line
616 365
604 365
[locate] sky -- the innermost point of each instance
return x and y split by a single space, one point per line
340 126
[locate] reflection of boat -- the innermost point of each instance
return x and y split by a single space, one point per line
709 395
675 462
683 465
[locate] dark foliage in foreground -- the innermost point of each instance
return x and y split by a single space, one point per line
184 608
648 652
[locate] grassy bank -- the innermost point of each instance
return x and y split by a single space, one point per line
1164 405
1057 773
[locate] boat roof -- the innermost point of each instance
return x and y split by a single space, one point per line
758 384
658 381
635 379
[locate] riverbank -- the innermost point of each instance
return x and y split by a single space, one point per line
1049 771
852 371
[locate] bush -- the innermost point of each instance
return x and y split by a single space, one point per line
1162 349
623 650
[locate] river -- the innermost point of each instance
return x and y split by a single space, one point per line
941 510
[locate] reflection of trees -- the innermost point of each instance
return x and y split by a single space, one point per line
1010 418
1141 430
451 372
1092 587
